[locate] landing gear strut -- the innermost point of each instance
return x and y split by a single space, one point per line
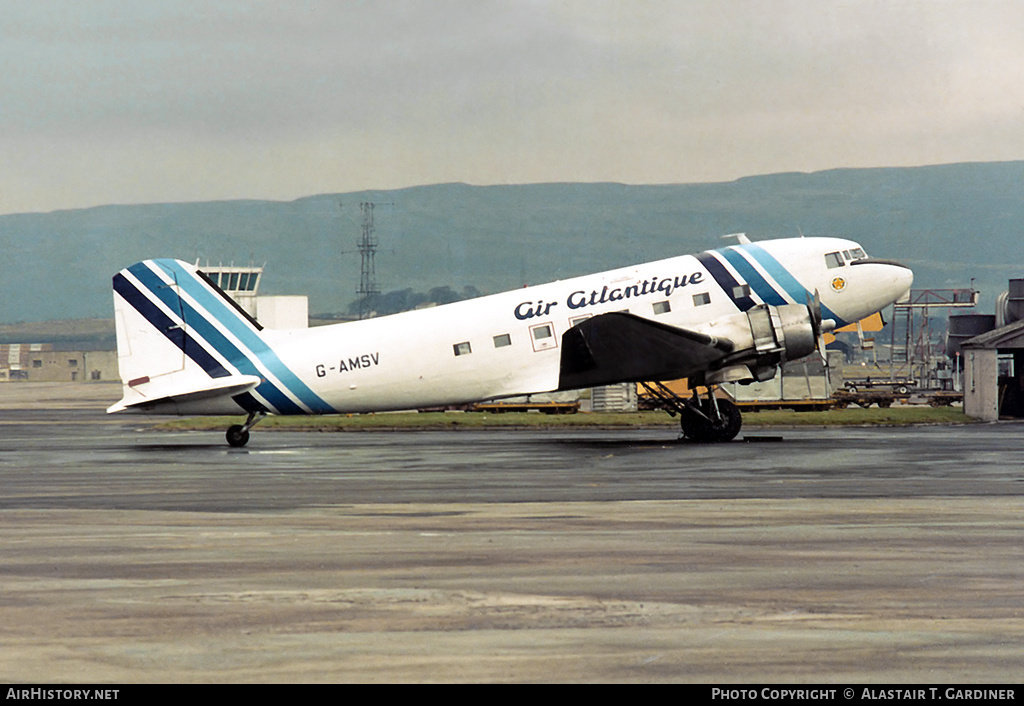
706 420
238 434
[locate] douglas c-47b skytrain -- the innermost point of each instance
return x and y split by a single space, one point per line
732 314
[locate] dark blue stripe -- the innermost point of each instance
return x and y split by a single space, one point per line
249 403
163 323
725 280
786 280
224 314
213 337
759 284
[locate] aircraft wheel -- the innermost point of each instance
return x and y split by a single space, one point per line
699 431
237 436
724 429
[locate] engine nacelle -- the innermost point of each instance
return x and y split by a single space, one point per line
785 330
764 337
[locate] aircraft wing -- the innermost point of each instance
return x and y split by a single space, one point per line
620 347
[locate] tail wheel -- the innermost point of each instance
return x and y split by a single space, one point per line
237 436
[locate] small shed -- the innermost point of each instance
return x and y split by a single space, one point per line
993 366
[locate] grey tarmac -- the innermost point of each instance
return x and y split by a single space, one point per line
835 555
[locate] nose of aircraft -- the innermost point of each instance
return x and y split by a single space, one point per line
891 279
904 279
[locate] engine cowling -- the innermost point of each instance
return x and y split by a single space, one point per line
766 336
763 337
792 328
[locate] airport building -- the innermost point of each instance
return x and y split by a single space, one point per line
47 362
241 283
992 361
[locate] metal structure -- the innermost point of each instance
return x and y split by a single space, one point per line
367 245
914 352
367 252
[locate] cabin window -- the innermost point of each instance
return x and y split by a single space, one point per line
462 348
834 259
662 307
502 340
543 337
701 299
741 291
578 319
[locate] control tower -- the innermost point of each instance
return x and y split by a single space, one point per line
242 283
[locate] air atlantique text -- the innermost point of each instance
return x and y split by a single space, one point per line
582 299
866 693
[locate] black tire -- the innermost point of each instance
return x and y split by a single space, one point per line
724 429
237 436
730 423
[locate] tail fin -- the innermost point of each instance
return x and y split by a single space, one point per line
184 346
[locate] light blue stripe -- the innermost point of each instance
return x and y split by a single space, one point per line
786 280
277 399
759 284
224 314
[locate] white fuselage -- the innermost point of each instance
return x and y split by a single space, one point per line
409 360
192 356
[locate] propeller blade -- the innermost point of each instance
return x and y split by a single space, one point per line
814 313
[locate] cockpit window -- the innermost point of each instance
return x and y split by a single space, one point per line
858 254
834 259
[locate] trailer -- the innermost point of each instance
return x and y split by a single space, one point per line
866 398
898 386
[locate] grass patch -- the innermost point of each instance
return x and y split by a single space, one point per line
893 416
858 416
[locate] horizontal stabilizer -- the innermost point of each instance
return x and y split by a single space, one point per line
144 393
620 347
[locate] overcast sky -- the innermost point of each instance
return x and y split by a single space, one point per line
107 101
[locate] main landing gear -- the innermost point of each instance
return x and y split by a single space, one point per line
238 434
708 420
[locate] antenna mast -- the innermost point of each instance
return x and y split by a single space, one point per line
368 252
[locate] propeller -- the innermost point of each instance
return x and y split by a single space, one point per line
819 326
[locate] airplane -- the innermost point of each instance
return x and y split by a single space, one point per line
725 315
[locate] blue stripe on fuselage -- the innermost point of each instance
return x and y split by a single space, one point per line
725 280
246 334
786 280
197 321
759 284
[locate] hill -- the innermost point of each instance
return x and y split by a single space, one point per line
951 223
